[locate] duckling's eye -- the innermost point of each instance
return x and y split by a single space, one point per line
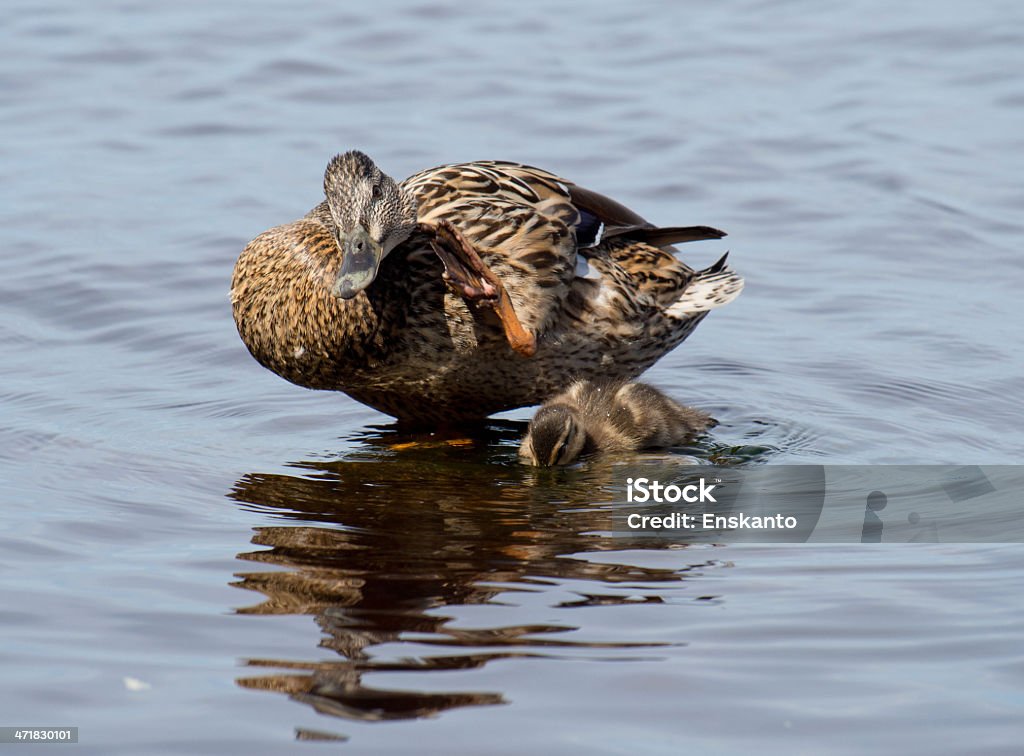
560 453
563 452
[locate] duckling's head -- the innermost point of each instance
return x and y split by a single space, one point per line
555 437
372 215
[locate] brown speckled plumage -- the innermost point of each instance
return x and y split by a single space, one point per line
607 305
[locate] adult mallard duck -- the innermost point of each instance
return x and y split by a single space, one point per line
466 289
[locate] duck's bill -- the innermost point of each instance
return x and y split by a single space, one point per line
361 258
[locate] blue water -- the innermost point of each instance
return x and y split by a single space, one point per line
197 557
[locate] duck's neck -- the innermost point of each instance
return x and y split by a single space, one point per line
293 324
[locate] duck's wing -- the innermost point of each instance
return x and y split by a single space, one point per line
596 218
520 221
542 234
602 219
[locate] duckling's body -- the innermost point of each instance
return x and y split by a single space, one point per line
607 416
353 297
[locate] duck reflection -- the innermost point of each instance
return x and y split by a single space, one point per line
407 526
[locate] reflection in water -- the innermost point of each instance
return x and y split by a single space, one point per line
407 527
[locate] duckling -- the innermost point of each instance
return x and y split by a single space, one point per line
607 416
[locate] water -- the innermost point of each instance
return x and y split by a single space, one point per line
198 557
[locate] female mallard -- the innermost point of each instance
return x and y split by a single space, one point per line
607 416
466 289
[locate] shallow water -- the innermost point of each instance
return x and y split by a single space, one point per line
199 557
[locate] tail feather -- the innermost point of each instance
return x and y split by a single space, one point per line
717 267
712 287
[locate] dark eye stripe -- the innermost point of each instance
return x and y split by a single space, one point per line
558 447
561 449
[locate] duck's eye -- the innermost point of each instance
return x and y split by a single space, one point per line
561 453
375 192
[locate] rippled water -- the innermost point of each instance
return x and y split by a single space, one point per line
199 557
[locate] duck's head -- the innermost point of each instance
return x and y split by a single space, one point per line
372 215
556 437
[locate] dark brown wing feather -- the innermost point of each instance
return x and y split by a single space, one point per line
614 214
662 237
619 220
